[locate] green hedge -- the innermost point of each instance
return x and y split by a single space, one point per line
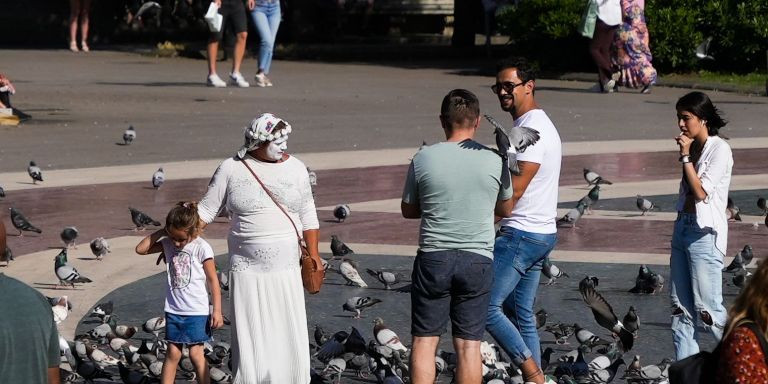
546 30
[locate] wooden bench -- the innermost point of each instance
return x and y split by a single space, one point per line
401 16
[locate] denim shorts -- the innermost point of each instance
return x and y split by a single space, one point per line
183 329
451 284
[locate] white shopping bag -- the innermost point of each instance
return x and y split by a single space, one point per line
213 18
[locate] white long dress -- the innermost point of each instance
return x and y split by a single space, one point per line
270 342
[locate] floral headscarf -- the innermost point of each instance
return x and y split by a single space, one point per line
263 129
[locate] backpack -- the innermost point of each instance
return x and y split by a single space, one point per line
702 367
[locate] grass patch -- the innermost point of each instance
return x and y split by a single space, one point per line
750 80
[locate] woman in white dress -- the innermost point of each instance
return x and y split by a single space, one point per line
270 342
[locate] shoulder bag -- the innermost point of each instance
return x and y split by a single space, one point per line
312 274
588 19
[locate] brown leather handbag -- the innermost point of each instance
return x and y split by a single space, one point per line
312 274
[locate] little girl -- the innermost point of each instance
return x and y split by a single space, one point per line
190 265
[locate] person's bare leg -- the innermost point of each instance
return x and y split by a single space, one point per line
423 359
85 11
74 12
201 366
469 368
213 53
239 51
168 375
531 371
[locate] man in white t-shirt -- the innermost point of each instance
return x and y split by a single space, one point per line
529 234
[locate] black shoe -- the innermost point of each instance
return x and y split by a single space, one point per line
21 115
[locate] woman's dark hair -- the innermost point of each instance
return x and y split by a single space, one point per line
183 216
699 104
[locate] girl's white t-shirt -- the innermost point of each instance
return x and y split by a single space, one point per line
186 292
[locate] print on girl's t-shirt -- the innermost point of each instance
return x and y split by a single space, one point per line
180 269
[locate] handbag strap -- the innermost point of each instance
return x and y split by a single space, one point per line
760 336
271 196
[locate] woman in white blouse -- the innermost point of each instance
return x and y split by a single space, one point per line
270 342
701 229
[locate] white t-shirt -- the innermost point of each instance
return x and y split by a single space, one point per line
186 292
536 210
609 11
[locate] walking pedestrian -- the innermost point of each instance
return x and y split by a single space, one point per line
233 15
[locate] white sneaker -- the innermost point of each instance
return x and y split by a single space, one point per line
608 87
237 79
261 80
215 81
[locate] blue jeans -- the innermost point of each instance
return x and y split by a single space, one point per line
696 285
517 259
266 19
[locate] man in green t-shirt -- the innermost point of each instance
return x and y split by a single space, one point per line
29 341
454 187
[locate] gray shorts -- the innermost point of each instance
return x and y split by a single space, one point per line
453 285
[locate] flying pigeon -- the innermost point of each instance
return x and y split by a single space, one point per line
21 223
158 178
68 236
760 204
511 141
341 212
606 318
644 204
386 278
572 217
129 135
338 248
99 247
6 256
551 271
144 8
141 219
357 304
702 50
341 342
34 172
632 321
593 178
66 273
647 281
387 337
732 210
741 260
348 270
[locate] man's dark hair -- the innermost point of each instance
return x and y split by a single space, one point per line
525 70
459 106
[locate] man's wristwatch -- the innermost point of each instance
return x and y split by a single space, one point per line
685 159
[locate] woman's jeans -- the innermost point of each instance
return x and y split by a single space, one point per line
266 18
696 285
517 259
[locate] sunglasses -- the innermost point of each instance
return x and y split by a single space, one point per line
507 86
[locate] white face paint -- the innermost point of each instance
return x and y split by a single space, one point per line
276 148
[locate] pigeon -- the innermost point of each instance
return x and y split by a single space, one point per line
320 336
338 248
741 260
386 278
385 336
760 203
605 317
594 194
141 219
21 223
68 236
34 172
588 339
158 178
60 309
101 310
588 281
68 376
129 135
631 321
6 256
644 204
99 357
570 218
551 271
341 212
541 318
101 331
732 210
312 177
125 331
91 371
223 280
607 374
66 273
357 304
587 202
335 367
130 376
2 192
219 376
593 178
99 247
518 138
647 281
645 374
332 347
154 325
561 332
739 279
144 8
702 50
348 270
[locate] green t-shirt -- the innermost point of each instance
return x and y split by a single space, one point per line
456 185
29 341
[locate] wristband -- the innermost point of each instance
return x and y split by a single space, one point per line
685 159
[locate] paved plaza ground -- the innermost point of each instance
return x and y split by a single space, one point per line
357 125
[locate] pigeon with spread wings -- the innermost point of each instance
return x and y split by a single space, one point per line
510 141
